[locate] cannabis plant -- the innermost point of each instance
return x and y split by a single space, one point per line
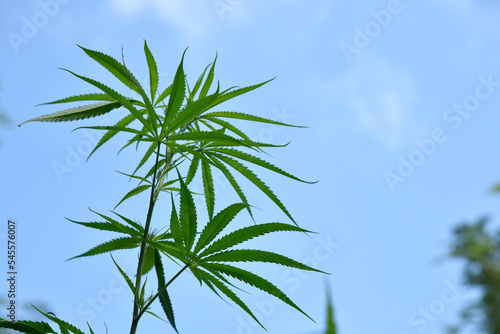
178 126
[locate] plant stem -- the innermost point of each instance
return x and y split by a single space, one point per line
155 189
135 319
161 290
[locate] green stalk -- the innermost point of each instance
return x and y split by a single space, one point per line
135 318
155 190
154 195
169 157
161 290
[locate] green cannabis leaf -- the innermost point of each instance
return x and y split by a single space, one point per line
210 257
171 128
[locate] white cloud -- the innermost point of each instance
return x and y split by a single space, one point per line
194 19
460 7
480 15
128 8
377 97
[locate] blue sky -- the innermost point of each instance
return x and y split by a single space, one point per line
401 100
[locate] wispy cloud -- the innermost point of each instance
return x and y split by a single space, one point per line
461 7
480 15
377 96
194 20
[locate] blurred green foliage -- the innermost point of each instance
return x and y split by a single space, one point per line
4 117
331 328
480 249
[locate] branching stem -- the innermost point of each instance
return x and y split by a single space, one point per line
161 290
135 319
